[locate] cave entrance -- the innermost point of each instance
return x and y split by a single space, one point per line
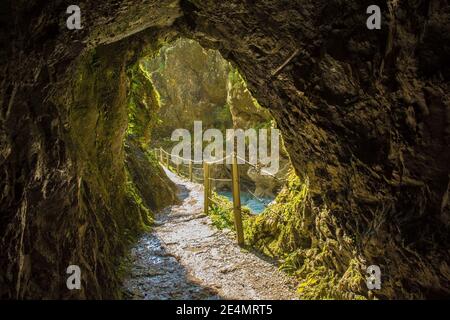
195 86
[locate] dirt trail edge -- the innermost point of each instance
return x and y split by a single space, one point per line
186 257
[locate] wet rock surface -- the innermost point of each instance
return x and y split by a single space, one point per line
185 257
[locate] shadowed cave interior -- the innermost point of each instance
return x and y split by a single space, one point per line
364 115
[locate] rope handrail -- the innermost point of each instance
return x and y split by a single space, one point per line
185 159
260 169
220 180
178 157
197 177
218 161
193 161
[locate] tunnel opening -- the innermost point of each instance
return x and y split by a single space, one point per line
198 87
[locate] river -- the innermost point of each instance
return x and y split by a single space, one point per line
248 200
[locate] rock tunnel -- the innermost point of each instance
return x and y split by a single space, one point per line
364 114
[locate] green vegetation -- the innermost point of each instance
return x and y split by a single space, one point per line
112 112
221 213
143 105
142 166
282 232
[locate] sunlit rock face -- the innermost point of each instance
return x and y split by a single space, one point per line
364 116
192 84
247 113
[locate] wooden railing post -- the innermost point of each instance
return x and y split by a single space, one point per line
168 161
206 184
210 184
190 171
237 202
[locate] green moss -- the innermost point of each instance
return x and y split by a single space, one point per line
111 112
287 231
284 232
221 213
151 185
279 228
143 105
107 203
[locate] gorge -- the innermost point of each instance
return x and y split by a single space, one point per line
364 116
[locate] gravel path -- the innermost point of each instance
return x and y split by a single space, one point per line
186 257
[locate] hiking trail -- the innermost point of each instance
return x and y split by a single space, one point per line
186 257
